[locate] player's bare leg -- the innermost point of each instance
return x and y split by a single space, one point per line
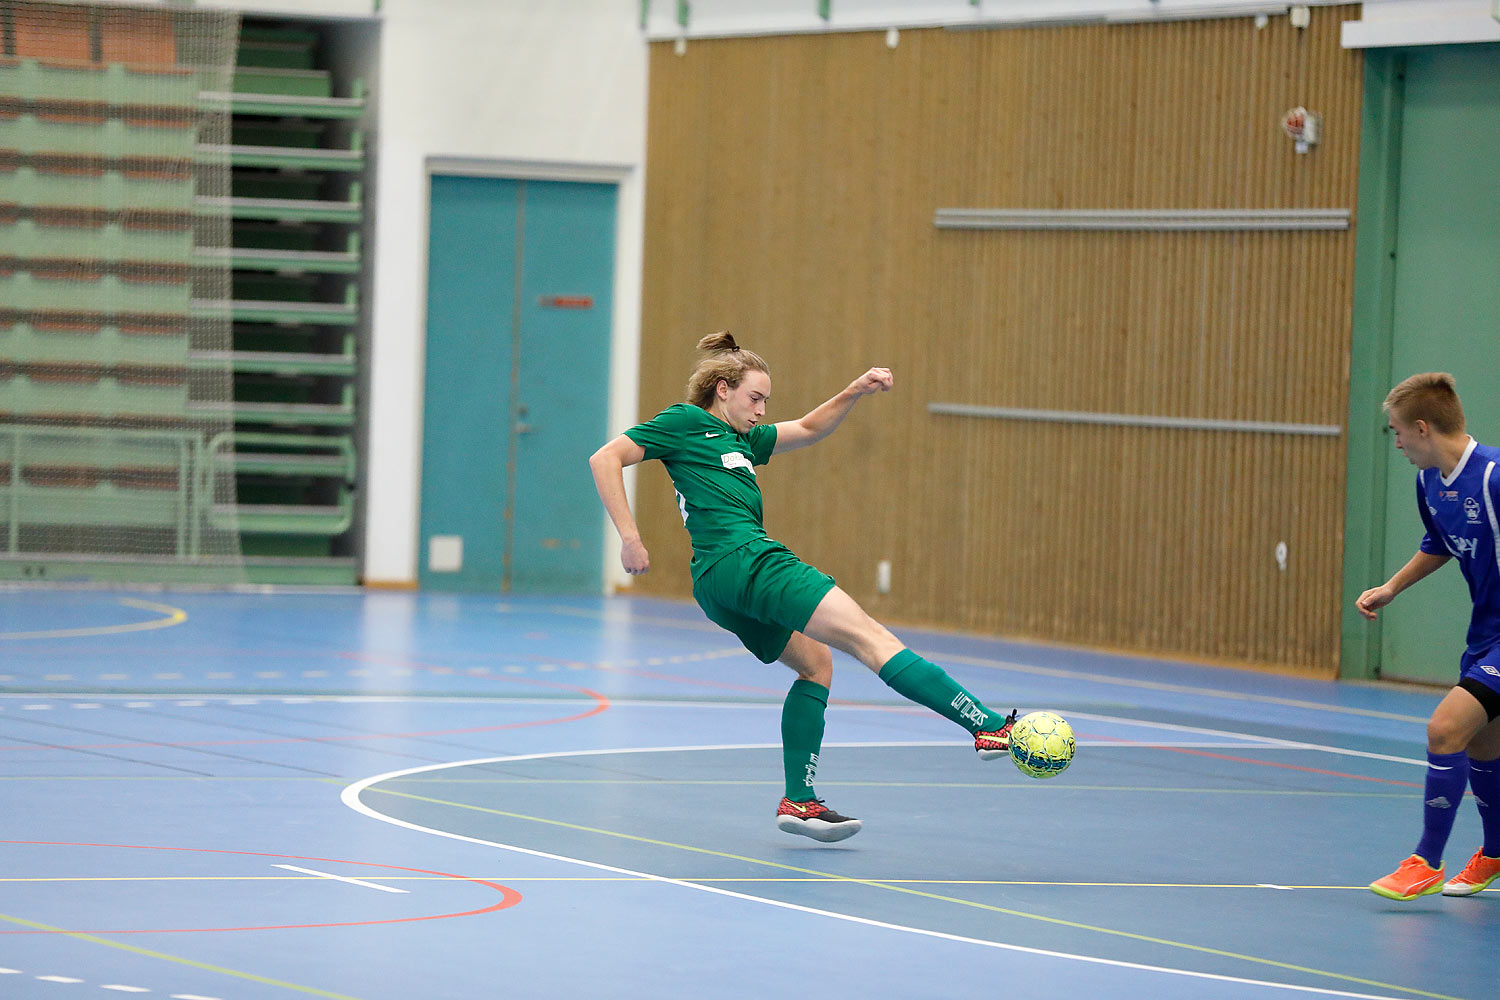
811 659
1456 721
843 624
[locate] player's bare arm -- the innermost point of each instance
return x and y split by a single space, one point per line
820 422
1421 565
608 465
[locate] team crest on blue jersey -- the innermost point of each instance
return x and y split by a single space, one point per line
1471 510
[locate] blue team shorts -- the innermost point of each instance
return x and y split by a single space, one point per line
1481 666
762 593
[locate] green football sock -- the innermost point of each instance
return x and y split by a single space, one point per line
928 684
802 736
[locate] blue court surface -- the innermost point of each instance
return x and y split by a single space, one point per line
409 796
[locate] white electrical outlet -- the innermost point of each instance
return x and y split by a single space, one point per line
883 576
445 553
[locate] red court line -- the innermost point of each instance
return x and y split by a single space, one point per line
1262 763
511 896
727 686
695 681
183 652
909 706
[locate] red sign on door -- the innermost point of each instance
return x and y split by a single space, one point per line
567 302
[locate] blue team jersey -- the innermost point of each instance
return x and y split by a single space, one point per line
1462 516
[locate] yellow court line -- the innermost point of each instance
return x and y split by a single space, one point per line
250 976
174 616
1018 786
1201 949
1023 786
704 879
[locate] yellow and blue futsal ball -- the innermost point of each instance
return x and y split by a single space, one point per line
1042 745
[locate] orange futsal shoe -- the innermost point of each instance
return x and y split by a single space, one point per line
1414 878
1478 873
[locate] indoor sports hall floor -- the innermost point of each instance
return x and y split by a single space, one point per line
414 797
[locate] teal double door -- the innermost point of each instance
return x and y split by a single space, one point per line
1446 316
519 285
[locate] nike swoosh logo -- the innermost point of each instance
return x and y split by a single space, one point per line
1435 767
713 434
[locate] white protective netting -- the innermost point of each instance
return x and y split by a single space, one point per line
114 312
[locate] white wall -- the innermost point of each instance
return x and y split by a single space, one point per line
286 8
534 82
714 18
1423 22
524 80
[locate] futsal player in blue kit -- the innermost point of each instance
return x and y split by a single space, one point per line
1458 497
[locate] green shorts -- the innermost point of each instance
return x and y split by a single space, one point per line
762 593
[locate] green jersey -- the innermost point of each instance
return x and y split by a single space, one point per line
713 471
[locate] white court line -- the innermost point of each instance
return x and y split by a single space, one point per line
979 661
350 797
1121 744
1266 699
626 618
1270 742
1238 740
340 878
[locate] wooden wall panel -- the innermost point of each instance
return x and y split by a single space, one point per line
791 189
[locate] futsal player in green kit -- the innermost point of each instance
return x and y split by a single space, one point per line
779 607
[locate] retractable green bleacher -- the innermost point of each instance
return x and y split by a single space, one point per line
104 472
297 153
